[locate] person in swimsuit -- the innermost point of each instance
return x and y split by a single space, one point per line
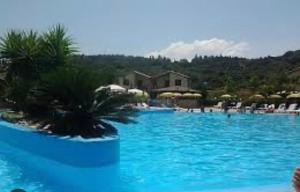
296 180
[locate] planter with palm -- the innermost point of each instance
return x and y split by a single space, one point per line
72 107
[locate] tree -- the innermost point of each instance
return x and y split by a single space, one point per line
254 81
57 47
22 49
230 85
30 56
69 94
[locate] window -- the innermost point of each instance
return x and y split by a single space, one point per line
177 82
126 82
167 83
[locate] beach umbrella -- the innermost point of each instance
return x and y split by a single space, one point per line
257 97
275 96
294 96
192 95
135 91
101 88
116 88
188 95
138 92
197 95
177 94
283 92
226 96
112 88
166 95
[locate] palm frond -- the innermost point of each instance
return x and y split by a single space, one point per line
71 94
57 47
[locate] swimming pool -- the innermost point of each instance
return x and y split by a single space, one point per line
194 152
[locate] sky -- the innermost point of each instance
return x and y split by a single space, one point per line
172 28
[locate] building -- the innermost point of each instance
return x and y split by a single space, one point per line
172 81
136 80
169 81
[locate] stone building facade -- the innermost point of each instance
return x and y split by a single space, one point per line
170 81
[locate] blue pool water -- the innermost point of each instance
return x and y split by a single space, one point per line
184 151
194 152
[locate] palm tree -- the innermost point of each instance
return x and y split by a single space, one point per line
57 47
30 55
74 108
22 49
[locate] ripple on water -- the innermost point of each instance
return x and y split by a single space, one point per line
12 177
209 151
185 151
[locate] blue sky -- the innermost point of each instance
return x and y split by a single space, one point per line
175 28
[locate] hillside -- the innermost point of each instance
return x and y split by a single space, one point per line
210 72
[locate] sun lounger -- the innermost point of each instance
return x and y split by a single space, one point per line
219 105
263 107
292 108
238 105
252 108
272 106
253 105
145 105
281 108
297 110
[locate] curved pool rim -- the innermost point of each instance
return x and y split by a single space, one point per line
73 151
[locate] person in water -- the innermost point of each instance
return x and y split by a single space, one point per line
296 180
225 107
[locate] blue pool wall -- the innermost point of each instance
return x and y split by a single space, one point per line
69 163
71 151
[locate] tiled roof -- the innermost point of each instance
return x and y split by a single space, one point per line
167 72
176 89
162 74
142 74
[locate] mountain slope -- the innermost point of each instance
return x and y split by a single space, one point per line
213 71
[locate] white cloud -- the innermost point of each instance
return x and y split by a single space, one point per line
215 46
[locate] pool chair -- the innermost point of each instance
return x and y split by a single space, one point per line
145 105
271 108
252 108
297 111
237 106
263 107
281 108
292 108
219 105
139 105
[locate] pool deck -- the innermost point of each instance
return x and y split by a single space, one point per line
213 109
